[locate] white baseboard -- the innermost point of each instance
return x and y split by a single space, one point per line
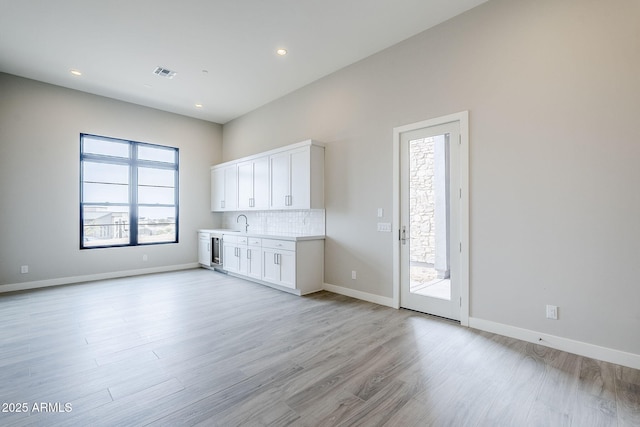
365 296
92 277
576 347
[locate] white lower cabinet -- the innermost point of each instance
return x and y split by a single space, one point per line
279 262
297 267
231 252
204 249
253 254
279 267
242 255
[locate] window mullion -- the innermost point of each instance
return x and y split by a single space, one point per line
133 195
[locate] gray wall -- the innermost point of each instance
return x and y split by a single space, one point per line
40 126
552 88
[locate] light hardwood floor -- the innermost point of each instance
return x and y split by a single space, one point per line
201 348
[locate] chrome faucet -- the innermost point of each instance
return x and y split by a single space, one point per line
246 222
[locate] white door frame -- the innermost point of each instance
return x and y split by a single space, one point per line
463 119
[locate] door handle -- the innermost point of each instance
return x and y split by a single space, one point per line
403 235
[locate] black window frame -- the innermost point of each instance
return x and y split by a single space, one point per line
133 163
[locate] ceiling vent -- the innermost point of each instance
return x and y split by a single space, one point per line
163 72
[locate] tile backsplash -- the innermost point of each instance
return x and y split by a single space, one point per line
289 222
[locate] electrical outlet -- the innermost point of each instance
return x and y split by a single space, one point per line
380 212
145 257
354 275
552 312
24 269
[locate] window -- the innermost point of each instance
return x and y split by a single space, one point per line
128 193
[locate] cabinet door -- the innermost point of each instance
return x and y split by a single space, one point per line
204 249
254 262
253 184
300 177
217 190
279 267
270 267
243 261
224 189
287 263
279 182
231 260
230 188
261 183
245 185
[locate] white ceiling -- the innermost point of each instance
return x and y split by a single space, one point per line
118 43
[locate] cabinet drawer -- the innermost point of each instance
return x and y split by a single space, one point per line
203 236
279 244
242 240
229 238
254 241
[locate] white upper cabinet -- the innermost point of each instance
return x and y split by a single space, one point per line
297 178
279 165
290 177
253 184
224 188
217 189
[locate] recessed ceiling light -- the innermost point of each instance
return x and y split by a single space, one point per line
75 72
198 105
281 52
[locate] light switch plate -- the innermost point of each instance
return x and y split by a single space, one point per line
384 226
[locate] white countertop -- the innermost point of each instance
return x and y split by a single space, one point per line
290 237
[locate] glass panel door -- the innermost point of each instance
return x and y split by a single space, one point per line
429 221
